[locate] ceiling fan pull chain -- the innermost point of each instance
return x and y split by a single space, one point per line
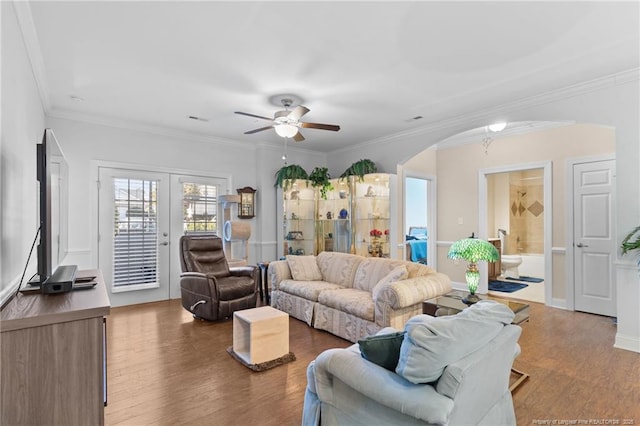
284 156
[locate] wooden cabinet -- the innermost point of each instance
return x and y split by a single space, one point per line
494 267
247 204
53 357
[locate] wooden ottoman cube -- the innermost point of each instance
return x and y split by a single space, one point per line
260 334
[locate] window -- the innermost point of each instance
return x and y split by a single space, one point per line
135 243
200 208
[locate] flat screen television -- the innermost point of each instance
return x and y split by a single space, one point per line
50 169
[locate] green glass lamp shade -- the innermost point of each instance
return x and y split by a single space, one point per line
473 250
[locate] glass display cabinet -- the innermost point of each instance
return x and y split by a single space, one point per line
356 217
298 218
373 208
333 226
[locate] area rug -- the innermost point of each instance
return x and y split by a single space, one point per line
529 279
505 287
263 365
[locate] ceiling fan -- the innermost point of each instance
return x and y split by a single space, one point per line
287 123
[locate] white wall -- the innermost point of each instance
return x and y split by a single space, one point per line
611 101
22 128
246 164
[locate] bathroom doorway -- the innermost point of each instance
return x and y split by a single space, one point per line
517 218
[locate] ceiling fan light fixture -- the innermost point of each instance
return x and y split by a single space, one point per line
286 130
497 127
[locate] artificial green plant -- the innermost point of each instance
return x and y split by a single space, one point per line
287 175
319 178
360 168
631 244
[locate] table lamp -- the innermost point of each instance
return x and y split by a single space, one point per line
473 250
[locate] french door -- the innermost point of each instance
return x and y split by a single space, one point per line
134 227
141 217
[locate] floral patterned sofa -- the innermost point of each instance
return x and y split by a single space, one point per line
352 296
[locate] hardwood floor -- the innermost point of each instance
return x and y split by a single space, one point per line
165 368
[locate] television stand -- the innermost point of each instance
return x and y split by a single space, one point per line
53 357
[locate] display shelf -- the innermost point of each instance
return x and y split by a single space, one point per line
333 228
372 211
298 219
343 221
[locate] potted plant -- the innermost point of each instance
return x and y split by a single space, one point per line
631 244
319 178
287 175
360 168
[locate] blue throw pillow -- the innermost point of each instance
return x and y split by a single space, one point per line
382 349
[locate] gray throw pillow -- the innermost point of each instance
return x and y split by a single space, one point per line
382 349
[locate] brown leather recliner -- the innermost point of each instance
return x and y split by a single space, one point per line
210 289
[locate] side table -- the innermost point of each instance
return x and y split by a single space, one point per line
263 281
260 334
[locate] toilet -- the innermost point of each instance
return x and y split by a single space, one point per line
508 262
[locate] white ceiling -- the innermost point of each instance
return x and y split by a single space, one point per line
369 67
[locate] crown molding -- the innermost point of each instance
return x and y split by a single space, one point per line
169 132
137 127
476 137
620 78
34 52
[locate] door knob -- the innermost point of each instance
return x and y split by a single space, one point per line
581 245
164 244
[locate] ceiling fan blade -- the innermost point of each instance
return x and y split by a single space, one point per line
253 115
258 130
331 127
298 137
298 112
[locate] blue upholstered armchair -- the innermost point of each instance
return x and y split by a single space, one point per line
466 384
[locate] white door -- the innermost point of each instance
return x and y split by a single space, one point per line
594 242
194 209
133 245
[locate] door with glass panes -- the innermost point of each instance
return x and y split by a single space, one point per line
142 215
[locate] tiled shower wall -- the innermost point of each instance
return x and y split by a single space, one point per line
526 207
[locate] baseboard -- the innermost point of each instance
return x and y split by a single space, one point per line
627 343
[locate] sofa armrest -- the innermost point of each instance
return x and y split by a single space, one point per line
404 293
278 271
380 385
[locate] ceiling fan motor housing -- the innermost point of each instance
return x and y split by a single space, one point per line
282 117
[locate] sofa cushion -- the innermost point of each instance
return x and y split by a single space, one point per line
418 269
349 300
382 349
304 268
371 270
309 290
398 273
432 343
338 268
